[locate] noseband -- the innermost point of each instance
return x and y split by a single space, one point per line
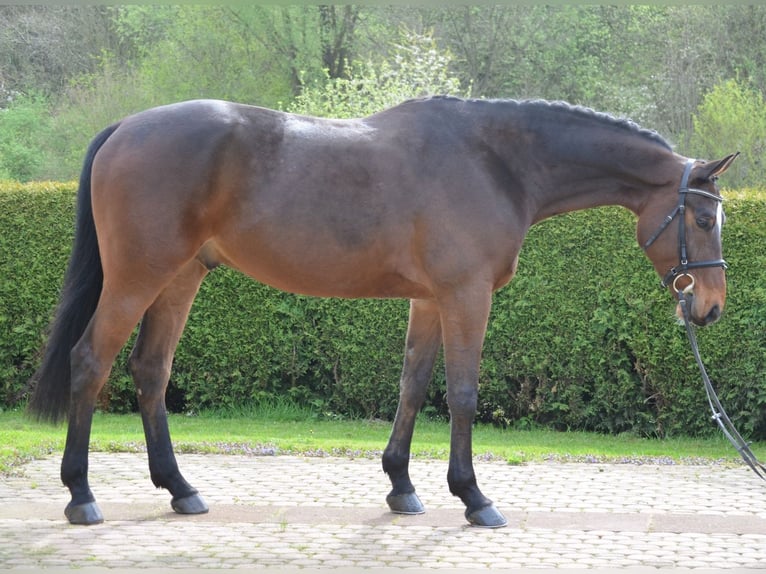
682 269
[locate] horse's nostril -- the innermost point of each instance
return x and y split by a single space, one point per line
713 315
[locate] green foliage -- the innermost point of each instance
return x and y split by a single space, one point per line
582 339
732 117
96 64
417 68
225 60
36 231
92 102
24 125
178 53
560 350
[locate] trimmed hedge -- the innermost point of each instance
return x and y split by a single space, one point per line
583 338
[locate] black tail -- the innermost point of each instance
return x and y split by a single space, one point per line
51 383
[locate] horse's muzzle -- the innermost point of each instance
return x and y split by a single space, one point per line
712 315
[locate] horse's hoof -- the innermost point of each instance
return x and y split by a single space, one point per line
487 517
193 504
408 503
87 514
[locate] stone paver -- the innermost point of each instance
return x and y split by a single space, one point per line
296 512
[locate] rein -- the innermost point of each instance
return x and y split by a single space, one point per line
675 273
719 414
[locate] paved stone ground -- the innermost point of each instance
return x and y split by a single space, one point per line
294 512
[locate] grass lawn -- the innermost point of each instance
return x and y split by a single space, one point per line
288 430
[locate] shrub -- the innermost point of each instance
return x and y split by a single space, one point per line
36 231
24 125
732 117
583 338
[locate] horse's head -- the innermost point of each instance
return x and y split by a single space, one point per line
681 234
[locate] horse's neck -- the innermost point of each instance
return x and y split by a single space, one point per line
584 189
584 163
593 177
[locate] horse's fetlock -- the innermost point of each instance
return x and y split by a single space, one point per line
459 481
394 462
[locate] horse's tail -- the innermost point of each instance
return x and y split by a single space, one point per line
83 280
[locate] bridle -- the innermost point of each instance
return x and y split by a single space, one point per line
684 266
682 270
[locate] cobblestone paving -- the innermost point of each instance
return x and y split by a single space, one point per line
298 512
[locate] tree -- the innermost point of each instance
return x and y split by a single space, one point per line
336 33
483 43
306 41
417 68
732 117
591 55
738 33
95 64
43 47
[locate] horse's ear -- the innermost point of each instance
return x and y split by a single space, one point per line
713 169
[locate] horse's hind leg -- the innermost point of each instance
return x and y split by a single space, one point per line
91 361
150 364
423 342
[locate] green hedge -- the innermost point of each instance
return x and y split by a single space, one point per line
583 338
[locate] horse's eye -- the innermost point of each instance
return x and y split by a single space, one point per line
705 222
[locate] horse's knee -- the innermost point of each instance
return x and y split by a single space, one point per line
463 404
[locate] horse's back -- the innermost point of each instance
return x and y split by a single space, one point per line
191 140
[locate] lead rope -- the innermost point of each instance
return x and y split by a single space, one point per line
719 414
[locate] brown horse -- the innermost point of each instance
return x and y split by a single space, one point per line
429 200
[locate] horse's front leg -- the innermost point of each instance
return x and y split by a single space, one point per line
464 322
421 347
